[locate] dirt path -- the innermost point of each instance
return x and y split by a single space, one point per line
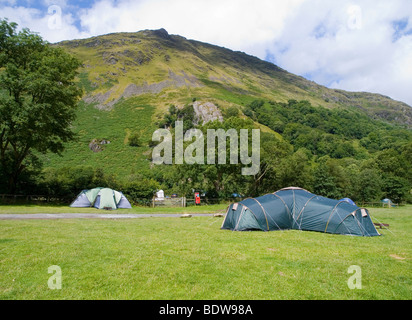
47 216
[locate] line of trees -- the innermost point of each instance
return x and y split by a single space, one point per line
335 153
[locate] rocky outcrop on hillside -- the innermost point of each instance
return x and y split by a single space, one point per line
96 144
103 101
206 112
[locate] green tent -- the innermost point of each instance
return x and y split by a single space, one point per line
92 194
296 208
101 198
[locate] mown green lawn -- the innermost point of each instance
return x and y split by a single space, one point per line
173 258
31 208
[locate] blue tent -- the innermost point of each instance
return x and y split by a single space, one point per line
296 208
348 200
388 202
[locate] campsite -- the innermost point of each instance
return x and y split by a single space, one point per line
169 258
174 258
144 165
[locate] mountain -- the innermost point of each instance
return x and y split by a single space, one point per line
173 70
130 80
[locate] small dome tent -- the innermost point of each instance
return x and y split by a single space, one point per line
388 202
101 198
348 200
296 208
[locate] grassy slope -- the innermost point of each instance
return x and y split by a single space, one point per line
116 126
168 258
114 61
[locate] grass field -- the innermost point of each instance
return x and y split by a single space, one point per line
170 258
31 208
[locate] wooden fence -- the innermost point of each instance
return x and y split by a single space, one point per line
166 202
61 200
187 202
380 204
18 198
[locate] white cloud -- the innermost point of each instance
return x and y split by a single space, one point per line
237 24
53 24
324 42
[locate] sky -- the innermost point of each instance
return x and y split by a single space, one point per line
355 45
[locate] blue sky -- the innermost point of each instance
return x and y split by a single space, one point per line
356 45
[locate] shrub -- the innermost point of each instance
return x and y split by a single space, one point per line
138 189
134 140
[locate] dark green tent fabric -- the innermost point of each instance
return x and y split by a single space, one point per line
296 208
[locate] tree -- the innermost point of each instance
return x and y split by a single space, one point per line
369 184
295 170
38 99
407 164
395 188
225 179
324 183
273 152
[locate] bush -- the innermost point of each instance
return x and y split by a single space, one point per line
138 189
134 140
231 112
69 181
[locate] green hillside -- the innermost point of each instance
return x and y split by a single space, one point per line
173 69
114 127
131 80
